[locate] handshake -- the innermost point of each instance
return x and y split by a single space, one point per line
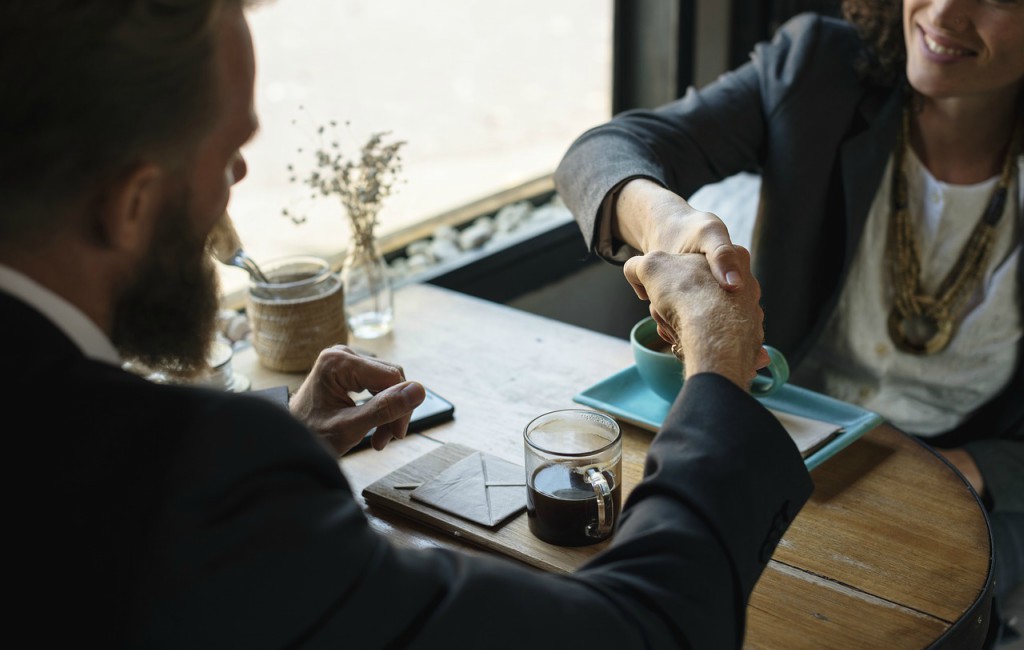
714 329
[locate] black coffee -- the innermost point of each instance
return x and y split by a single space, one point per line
658 344
562 508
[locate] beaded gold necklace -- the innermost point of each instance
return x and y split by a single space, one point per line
919 323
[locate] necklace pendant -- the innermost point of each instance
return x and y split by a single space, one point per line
921 334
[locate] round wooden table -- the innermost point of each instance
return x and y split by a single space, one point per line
892 551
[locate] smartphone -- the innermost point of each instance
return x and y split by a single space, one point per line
434 410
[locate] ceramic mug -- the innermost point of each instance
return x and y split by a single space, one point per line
662 371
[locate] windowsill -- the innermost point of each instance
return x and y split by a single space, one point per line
545 268
396 246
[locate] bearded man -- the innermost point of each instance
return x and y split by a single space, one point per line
175 516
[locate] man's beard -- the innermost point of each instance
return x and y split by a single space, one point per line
165 318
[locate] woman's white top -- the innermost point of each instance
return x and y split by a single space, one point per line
855 360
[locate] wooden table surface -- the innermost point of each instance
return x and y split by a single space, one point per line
892 550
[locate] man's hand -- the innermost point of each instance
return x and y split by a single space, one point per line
323 402
712 329
651 218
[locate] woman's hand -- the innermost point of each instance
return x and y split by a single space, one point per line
651 218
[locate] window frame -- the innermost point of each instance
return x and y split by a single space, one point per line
659 49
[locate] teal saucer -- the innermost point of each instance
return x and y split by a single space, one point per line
625 395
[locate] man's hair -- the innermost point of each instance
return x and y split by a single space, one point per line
880 25
93 88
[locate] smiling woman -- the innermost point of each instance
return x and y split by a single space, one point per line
486 95
887 241
966 50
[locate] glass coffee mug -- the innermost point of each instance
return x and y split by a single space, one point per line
573 476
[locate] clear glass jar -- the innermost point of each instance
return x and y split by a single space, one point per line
297 314
299 277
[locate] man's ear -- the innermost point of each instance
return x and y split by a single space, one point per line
133 205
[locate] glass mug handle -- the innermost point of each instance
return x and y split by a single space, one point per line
605 505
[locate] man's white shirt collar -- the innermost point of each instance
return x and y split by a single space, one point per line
89 338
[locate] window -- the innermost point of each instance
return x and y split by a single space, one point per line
487 96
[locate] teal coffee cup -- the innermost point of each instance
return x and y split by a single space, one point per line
663 372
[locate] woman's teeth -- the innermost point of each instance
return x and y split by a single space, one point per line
942 49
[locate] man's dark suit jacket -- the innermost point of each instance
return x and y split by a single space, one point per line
169 516
819 135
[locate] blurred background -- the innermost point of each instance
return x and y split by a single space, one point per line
486 95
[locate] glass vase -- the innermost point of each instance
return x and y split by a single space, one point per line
369 307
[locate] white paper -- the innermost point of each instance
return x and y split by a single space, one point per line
806 433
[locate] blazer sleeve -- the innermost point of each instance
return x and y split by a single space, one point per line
264 546
710 133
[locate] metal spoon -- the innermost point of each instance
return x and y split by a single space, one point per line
226 247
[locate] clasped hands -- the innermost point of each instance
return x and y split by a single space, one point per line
716 330
700 286
702 293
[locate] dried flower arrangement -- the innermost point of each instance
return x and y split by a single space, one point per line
361 184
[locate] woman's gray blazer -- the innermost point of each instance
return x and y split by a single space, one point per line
819 135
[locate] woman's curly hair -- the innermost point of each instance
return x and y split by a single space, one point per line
880 25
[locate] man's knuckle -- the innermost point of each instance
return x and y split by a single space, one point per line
706 223
335 354
722 250
385 409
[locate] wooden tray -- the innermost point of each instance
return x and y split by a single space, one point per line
512 539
